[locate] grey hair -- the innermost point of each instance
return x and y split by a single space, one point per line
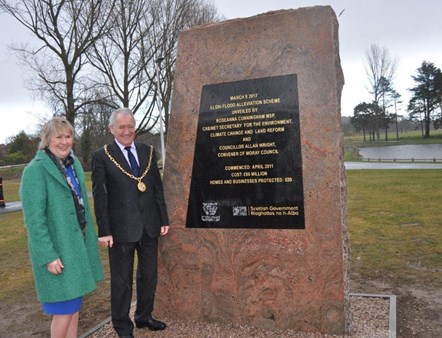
120 111
55 126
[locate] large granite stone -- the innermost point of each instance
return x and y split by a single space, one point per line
265 277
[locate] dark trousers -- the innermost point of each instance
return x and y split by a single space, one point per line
121 260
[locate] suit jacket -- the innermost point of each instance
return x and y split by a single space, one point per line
53 232
121 210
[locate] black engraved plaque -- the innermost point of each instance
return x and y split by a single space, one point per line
247 169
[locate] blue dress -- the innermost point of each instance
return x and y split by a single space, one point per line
67 307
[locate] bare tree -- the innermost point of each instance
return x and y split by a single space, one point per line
380 71
125 59
93 128
143 37
171 17
66 30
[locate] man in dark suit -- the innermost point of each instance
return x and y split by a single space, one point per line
131 214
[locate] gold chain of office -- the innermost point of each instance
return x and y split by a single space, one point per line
141 185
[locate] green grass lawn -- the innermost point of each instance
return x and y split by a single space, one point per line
10 190
394 222
395 225
16 280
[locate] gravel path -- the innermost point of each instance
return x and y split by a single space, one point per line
370 319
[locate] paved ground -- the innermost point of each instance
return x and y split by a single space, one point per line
16 206
390 165
10 207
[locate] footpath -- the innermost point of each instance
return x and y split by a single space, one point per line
16 206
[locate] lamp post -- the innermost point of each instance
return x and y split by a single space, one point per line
396 96
158 66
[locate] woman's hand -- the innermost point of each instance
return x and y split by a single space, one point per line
55 267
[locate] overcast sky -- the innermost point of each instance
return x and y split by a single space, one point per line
409 29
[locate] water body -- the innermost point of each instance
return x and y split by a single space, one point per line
423 152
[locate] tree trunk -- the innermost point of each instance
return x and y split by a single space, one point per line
427 124
70 102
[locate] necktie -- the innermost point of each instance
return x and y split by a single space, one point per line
133 162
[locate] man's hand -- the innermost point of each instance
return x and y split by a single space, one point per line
164 230
106 241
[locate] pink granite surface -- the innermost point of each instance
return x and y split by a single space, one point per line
268 278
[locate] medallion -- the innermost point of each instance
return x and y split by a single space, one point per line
141 186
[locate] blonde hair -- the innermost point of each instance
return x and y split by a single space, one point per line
55 126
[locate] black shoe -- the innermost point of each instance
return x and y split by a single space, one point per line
152 324
127 336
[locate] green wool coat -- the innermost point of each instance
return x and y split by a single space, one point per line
54 232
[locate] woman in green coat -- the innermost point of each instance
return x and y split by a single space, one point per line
61 237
